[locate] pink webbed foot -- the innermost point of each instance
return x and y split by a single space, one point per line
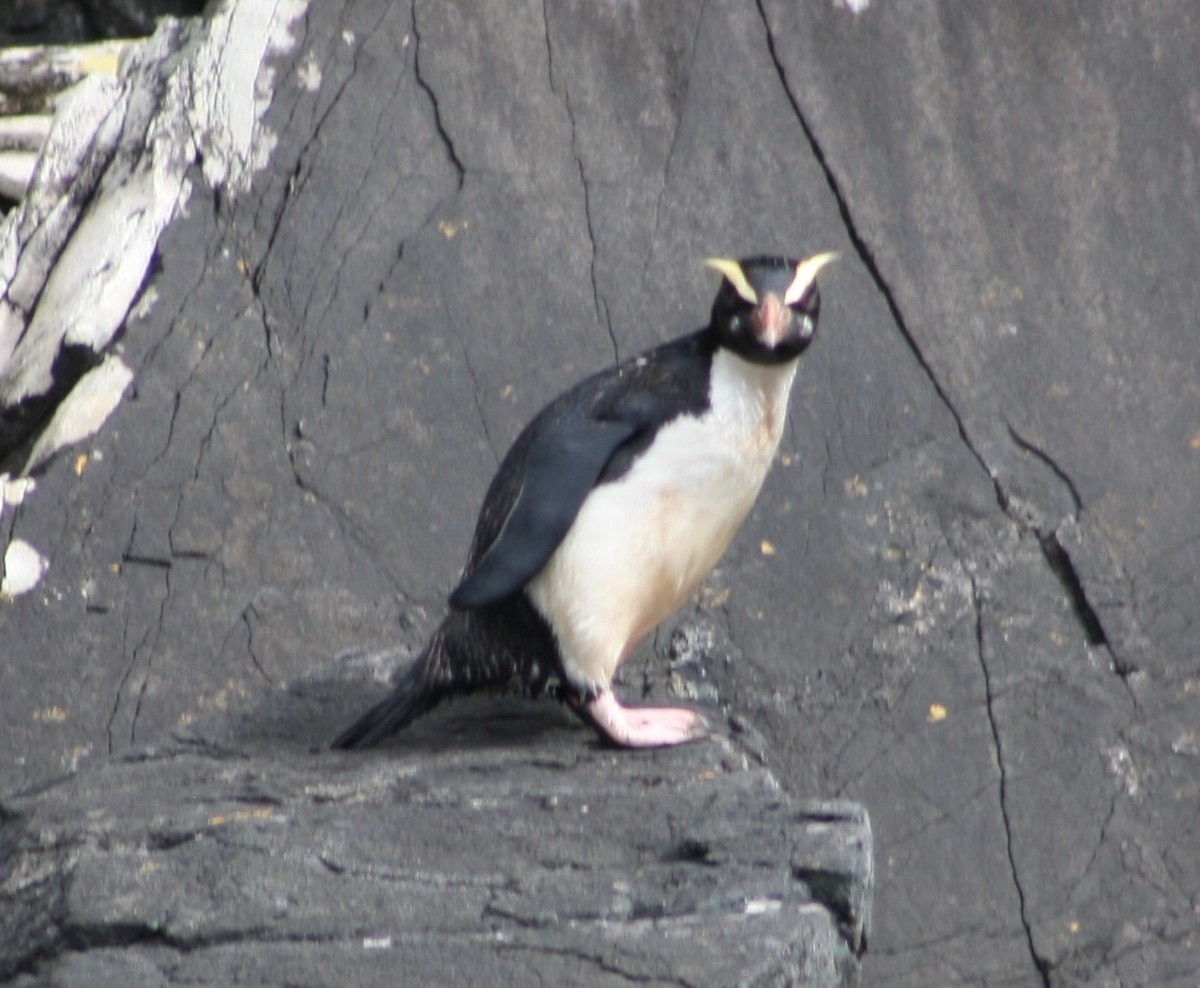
644 727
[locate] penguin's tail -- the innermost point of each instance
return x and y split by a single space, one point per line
417 692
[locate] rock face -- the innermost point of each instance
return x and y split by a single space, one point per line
375 238
488 851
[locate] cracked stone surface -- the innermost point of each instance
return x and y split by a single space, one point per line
482 853
967 598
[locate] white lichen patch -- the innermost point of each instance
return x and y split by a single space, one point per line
233 85
24 568
84 410
14 489
310 74
1120 764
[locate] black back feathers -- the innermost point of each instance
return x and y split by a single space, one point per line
561 467
589 435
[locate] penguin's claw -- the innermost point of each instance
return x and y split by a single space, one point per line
645 727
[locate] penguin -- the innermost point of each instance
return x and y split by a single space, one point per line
610 509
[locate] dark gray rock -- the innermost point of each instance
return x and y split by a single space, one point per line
967 597
61 22
498 845
1015 179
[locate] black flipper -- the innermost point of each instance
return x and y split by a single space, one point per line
562 466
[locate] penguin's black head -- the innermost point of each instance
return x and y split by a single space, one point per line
767 308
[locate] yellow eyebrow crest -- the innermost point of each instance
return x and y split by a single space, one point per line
806 273
735 276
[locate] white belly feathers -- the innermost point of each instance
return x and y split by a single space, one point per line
640 546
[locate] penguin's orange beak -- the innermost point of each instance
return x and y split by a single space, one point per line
771 320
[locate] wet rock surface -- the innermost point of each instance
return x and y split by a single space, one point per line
967 597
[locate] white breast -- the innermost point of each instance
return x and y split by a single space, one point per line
641 545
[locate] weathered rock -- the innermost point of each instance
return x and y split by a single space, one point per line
486 849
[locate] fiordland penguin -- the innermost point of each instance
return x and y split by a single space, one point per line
611 508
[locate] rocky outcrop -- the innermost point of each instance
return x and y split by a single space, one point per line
499 845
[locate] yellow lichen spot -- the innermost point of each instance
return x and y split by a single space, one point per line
50 715
787 459
856 487
1195 441
937 713
719 597
767 548
1073 926
257 813
451 230
81 463
100 60
234 689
